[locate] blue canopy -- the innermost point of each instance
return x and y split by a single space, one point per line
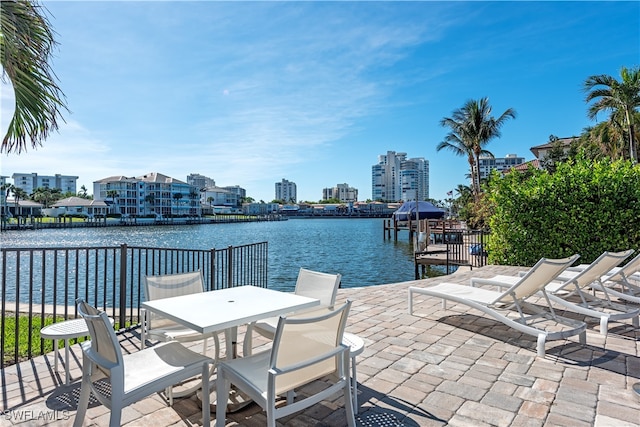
425 210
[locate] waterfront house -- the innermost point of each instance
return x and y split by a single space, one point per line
77 205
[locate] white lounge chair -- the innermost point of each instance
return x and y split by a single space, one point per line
620 282
571 291
304 350
132 377
533 319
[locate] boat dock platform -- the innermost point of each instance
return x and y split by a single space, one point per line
444 243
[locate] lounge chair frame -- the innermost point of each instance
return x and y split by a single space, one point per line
620 277
500 305
570 291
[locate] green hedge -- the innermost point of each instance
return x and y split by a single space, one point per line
585 207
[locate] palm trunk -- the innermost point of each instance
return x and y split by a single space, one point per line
632 145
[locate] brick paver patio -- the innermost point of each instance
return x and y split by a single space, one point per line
436 368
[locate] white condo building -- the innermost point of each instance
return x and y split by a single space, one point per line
30 181
219 196
397 178
286 191
342 192
200 181
149 194
501 164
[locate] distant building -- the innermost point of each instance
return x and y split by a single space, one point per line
501 164
535 163
541 151
200 181
397 177
218 196
240 192
260 208
414 179
286 191
77 205
149 194
30 181
342 192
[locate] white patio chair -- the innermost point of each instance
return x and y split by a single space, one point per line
165 330
312 284
162 329
134 376
304 350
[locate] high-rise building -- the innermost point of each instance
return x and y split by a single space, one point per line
30 181
501 164
414 179
342 192
286 191
200 181
397 178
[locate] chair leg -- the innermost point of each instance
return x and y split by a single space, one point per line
354 385
222 391
247 345
206 409
116 414
271 411
85 392
216 343
348 398
604 325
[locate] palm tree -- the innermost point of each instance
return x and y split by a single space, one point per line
27 43
177 197
43 195
18 194
472 128
113 194
621 98
83 192
6 189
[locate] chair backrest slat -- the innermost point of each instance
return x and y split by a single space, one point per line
301 340
104 341
598 268
171 285
627 270
540 275
322 286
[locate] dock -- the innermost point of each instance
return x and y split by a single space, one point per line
445 243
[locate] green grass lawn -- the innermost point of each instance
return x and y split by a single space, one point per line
38 346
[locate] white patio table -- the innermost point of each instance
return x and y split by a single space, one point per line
226 309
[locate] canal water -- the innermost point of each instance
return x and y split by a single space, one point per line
355 248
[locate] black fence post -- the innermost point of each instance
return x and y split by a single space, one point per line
212 269
123 285
230 266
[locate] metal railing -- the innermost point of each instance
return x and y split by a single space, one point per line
45 282
451 247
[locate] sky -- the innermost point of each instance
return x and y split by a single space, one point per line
250 93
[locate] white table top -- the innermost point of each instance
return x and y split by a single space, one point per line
225 308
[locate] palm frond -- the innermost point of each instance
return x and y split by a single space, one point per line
26 47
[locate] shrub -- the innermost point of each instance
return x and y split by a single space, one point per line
585 207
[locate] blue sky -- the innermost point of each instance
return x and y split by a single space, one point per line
249 93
